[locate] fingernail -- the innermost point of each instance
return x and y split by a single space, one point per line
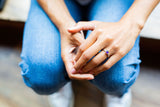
91 78
70 28
73 71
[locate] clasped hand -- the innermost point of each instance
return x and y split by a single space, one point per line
117 38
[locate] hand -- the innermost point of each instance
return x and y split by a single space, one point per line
118 38
69 44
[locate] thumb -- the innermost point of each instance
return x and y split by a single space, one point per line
82 26
73 75
80 37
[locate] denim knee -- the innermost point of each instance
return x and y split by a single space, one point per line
43 75
119 85
118 79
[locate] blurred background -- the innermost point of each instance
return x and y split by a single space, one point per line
13 92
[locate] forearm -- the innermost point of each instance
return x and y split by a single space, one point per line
139 12
58 13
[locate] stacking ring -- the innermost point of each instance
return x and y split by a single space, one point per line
106 51
81 32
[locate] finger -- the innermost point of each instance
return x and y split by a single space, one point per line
96 61
81 76
79 38
87 55
82 26
69 69
86 44
107 65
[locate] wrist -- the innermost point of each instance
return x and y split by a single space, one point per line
63 27
132 25
135 22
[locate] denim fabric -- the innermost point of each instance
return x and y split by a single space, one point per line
122 75
42 67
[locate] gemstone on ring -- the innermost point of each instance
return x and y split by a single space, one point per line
106 51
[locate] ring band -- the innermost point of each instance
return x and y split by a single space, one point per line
81 32
106 51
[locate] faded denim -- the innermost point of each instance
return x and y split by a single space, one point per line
42 67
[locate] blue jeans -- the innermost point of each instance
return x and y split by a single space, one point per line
42 67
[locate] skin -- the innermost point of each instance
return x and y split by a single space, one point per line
118 37
63 20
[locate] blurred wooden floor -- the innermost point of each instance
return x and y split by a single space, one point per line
13 92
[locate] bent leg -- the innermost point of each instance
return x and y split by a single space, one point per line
118 79
108 10
42 67
123 74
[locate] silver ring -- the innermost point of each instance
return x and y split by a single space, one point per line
81 32
106 51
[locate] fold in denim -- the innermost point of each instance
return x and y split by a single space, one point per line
42 67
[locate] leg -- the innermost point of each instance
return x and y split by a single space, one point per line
118 79
123 74
42 67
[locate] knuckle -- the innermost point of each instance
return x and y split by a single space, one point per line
79 22
109 38
81 49
94 62
99 31
85 56
116 47
106 67
121 53
85 27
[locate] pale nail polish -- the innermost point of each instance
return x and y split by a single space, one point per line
73 71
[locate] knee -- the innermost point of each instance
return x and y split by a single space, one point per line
116 87
117 81
42 74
